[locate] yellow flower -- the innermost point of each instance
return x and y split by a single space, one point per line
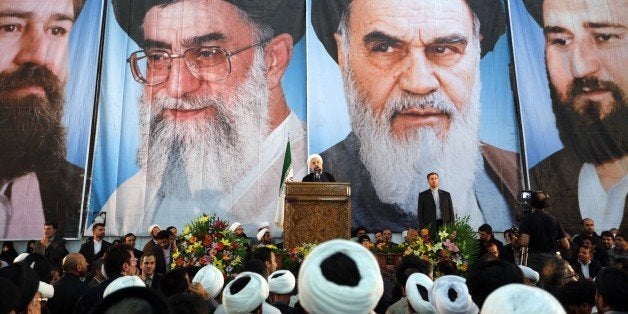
203 219
186 230
225 242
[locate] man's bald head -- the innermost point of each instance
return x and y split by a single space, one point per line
74 263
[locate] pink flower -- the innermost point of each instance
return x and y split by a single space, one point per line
452 247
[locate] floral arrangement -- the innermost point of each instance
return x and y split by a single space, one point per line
455 241
207 240
293 259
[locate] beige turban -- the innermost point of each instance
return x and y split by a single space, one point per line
518 298
318 293
249 297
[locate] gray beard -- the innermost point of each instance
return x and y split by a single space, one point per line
206 156
399 166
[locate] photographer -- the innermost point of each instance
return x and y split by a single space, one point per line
541 233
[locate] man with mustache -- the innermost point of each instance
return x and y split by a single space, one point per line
412 84
586 50
214 121
37 184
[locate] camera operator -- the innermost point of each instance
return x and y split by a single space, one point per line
541 233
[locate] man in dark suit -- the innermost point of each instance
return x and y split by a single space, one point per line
69 288
96 247
162 251
585 265
434 198
149 276
51 245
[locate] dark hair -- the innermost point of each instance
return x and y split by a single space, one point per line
360 228
134 300
163 234
51 223
364 237
171 227
115 258
431 173
582 222
409 265
554 271
607 234
98 224
257 266
262 253
612 285
187 303
41 265
147 254
620 235
128 235
486 277
539 200
576 293
174 282
486 228
447 267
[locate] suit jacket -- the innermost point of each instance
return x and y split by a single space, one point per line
87 250
93 295
55 252
160 259
156 284
500 167
594 268
427 208
68 290
558 176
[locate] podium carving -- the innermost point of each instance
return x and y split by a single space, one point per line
316 212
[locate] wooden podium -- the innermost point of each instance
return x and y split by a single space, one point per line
315 212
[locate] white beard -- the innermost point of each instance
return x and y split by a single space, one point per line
398 166
199 158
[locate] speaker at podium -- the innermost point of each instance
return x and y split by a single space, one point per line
315 212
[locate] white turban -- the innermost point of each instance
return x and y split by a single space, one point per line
318 294
404 233
281 282
20 258
263 225
261 233
439 296
234 226
249 297
530 273
46 290
150 229
123 282
414 297
519 298
211 278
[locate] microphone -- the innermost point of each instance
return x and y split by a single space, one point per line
317 174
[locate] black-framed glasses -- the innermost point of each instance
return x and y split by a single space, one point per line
208 63
574 277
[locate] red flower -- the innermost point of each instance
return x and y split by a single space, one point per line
208 240
220 246
219 224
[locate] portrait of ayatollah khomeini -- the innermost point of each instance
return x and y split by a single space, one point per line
412 84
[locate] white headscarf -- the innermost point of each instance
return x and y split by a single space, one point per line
518 298
249 297
439 296
211 278
150 229
263 225
309 159
319 295
414 297
281 282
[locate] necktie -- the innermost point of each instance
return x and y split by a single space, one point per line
149 282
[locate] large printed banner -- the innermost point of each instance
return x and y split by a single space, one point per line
571 58
199 100
48 67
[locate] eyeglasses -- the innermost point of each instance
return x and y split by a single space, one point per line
208 63
574 276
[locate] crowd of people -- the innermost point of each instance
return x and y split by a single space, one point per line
587 275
